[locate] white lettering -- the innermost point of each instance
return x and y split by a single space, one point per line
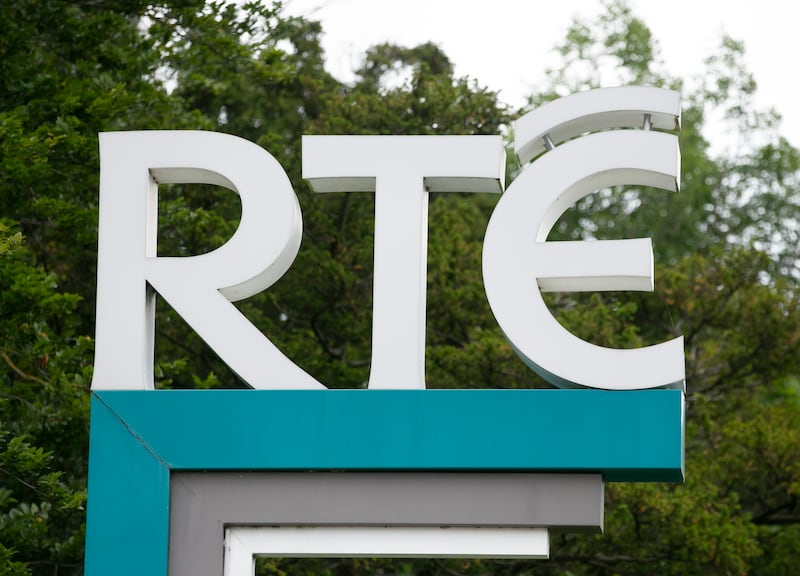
200 288
518 262
401 171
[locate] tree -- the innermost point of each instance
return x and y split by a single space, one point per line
43 418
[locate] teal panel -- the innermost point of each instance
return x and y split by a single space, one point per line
627 436
127 522
138 437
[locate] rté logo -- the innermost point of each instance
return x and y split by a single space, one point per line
585 148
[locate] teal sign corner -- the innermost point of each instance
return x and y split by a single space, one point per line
139 437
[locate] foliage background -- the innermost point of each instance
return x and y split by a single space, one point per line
726 248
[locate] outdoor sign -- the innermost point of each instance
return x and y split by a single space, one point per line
201 482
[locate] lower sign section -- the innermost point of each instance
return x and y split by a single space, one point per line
141 440
243 544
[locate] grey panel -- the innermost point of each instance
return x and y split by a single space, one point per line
203 503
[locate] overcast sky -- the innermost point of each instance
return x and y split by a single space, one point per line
507 44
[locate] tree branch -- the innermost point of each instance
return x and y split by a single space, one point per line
20 372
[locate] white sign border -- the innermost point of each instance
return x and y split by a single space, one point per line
244 543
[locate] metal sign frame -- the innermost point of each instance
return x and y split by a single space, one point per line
140 439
